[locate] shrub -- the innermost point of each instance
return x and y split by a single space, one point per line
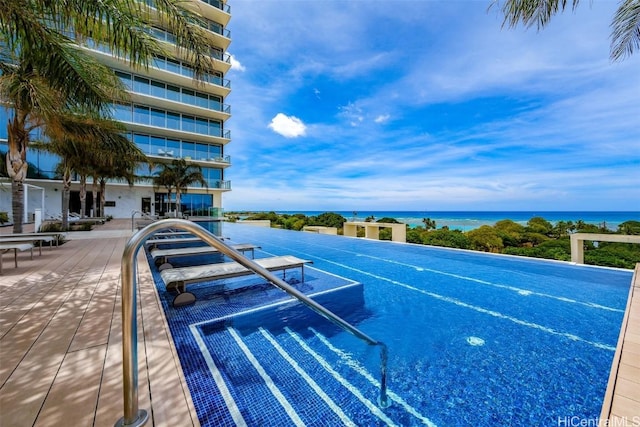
53 227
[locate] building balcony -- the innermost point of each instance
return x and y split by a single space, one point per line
216 10
222 138
212 110
164 155
173 71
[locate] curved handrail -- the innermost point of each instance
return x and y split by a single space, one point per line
132 415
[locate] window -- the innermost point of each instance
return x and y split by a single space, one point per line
158 146
202 126
188 149
173 93
158 89
173 121
173 148
158 118
173 66
125 78
215 103
202 151
122 112
202 100
141 85
188 123
142 141
188 96
141 114
215 128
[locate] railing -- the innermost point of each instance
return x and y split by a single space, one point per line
133 416
218 4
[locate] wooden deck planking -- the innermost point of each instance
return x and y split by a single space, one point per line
60 341
622 398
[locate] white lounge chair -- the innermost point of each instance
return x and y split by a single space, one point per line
16 246
161 256
154 243
177 279
32 238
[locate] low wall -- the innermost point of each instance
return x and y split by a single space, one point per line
320 229
257 222
577 242
372 230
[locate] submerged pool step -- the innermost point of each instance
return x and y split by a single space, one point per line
244 391
305 400
285 378
358 404
400 411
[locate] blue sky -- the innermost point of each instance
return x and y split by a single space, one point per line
428 105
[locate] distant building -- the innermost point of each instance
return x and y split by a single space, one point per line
170 116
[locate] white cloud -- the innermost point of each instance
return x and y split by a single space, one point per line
236 65
382 118
288 126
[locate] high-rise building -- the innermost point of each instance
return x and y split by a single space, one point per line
170 116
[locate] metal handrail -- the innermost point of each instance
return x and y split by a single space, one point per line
138 417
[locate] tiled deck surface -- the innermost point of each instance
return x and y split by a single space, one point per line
60 341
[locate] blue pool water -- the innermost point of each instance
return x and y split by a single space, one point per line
474 339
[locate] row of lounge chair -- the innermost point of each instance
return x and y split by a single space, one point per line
177 279
23 242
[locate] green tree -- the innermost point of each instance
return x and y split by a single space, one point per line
485 239
539 225
625 33
327 219
389 220
165 178
179 175
629 227
45 72
447 238
510 232
562 229
429 224
89 145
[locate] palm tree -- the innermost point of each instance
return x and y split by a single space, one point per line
44 71
429 224
118 166
90 146
165 178
625 35
179 175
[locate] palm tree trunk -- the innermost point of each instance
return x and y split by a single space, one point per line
83 195
17 205
94 202
66 190
178 203
103 196
17 166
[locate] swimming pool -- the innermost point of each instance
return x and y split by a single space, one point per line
474 339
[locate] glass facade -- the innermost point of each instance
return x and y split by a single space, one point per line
145 86
198 142
149 116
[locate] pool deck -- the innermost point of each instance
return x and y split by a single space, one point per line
61 352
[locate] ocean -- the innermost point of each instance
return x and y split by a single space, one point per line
469 220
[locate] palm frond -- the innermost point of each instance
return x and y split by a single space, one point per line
191 38
531 12
625 35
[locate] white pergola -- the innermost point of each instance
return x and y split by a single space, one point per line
26 188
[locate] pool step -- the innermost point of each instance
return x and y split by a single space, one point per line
279 377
